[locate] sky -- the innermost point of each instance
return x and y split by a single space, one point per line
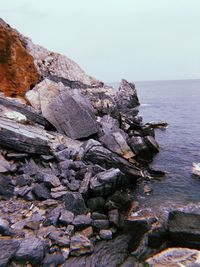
138 40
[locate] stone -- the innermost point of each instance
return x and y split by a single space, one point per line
100 224
66 217
70 230
51 180
53 216
6 187
126 97
157 237
8 249
80 245
184 229
31 250
4 166
105 183
96 203
152 144
114 218
105 234
140 148
99 216
108 125
59 239
4 227
75 203
53 260
147 189
81 222
17 70
88 232
116 142
41 191
119 200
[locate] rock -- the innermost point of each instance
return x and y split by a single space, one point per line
74 203
157 237
100 224
70 230
8 249
126 97
147 189
31 250
114 218
17 70
96 203
108 125
53 216
105 183
184 229
4 166
59 239
99 216
73 185
159 124
41 192
77 120
116 143
4 227
6 187
88 232
51 180
152 144
81 221
53 260
80 245
119 200
97 154
66 217
105 234
140 148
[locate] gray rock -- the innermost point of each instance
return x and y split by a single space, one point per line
53 260
53 216
75 203
41 192
81 222
66 217
184 229
100 224
31 250
70 230
51 180
108 125
80 245
96 203
22 191
105 234
152 144
8 249
105 183
59 239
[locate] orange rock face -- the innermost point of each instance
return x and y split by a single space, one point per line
17 70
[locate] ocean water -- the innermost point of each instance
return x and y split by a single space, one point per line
177 103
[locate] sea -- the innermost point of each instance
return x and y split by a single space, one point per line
177 103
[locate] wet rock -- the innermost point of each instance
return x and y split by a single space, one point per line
8 249
41 191
116 142
31 250
105 234
74 203
96 203
152 144
119 200
184 229
105 183
157 237
66 217
23 180
140 148
53 260
100 224
159 124
6 186
80 245
81 221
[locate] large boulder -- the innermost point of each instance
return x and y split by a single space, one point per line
68 110
17 70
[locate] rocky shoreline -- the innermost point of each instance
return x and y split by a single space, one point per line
71 148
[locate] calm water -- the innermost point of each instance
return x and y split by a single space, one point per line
178 103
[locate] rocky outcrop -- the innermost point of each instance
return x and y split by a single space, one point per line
17 69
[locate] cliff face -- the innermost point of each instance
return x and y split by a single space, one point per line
17 69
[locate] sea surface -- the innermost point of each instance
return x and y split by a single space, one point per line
177 103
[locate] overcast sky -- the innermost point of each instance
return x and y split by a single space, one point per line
114 39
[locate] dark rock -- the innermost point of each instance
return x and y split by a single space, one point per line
140 148
96 203
4 227
23 180
8 249
84 186
53 260
119 200
24 190
105 234
99 216
80 245
53 216
64 168
47 158
41 191
105 183
31 250
157 237
6 186
58 192
74 185
81 222
152 144
71 113
100 224
30 168
77 165
66 217
184 229
70 230
75 203
114 218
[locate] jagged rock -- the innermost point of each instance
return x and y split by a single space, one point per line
74 203
80 245
8 249
106 182
53 260
184 229
116 143
41 191
6 187
97 154
4 166
108 124
66 217
4 227
105 234
53 216
81 221
152 144
69 111
51 180
126 97
59 238
17 70
31 250
140 148
96 203
119 200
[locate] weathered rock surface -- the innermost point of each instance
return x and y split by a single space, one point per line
17 70
74 203
80 245
8 250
